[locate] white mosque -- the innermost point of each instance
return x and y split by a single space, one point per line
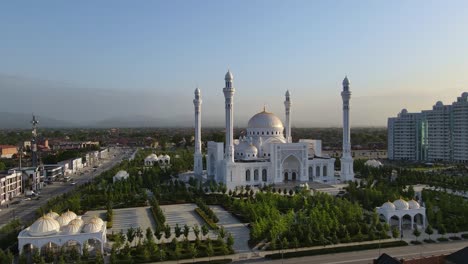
266 154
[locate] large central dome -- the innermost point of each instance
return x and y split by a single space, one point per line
265 119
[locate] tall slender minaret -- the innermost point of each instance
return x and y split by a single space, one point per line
229 103
347 172
287 105
198 158
34 156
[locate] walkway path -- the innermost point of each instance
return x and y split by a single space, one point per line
238 230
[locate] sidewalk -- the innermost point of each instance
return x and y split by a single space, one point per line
256 255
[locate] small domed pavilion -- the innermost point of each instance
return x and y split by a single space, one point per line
53 231
403 214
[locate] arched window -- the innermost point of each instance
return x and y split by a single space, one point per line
247 175
263 133
268 132
256 175
264 175
317 171
311 172
324 170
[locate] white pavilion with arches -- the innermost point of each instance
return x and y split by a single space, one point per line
403 214
52 231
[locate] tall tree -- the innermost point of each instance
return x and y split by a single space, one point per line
416 233
205 230
196 231
209 250
177 231
186 231
429 231
130 234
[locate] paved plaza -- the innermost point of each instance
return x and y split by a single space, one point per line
239 231
125 218
183 214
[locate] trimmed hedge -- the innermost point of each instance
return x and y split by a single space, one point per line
208 220
207 210
465 236
455 238
442 239
158 214
109 217
416 242
332 250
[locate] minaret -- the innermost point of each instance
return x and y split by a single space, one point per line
347 172
229 104
34 157
198 158
287 105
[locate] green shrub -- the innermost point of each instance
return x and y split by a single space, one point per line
442 239
207 210
465 236
208 220
455 238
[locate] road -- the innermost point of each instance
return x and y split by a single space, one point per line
25 210
367 256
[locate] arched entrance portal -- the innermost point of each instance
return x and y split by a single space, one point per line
394 222
419 220
93 245
291 168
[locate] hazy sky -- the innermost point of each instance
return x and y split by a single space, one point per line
147 57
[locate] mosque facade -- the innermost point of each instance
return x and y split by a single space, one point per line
265 154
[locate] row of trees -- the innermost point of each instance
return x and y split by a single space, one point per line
148 249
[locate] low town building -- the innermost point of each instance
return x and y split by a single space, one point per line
11 185
31 178
7 151
52 172
66 145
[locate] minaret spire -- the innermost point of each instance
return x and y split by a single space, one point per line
287 105
229 91
198 157
347 172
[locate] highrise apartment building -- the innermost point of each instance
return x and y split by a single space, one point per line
406 134
437 135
